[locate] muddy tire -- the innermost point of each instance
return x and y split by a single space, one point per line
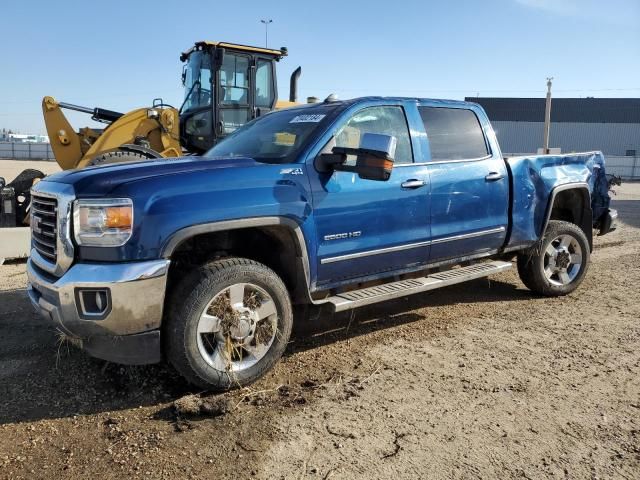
557 264
117 157
229 323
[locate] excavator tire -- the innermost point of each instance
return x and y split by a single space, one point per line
22 187
117 157
24 181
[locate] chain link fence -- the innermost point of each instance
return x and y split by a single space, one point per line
626 167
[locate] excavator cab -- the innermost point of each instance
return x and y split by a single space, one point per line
225 86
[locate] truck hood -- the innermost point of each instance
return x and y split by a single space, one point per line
100 180
170 195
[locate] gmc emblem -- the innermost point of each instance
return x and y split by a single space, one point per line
35 224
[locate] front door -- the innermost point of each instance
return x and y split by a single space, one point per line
368 228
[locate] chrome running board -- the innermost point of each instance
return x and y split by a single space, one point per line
402 288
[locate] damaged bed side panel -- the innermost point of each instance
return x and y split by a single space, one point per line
534 179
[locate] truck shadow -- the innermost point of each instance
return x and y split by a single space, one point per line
43 377
318 326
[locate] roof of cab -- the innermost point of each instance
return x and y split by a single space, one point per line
431 101
235 46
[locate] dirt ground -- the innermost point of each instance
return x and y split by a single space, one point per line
9 169
480 380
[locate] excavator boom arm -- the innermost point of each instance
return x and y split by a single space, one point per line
156 128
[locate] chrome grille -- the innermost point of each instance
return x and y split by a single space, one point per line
44 226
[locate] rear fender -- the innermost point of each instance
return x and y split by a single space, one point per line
564 198
539 179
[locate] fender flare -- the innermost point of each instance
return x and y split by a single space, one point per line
587 215
185 233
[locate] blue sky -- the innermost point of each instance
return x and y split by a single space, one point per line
121 54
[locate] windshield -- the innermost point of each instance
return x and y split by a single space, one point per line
276 137
197 84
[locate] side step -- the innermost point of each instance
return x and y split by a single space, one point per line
402 288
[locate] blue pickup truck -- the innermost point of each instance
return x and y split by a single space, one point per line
199 260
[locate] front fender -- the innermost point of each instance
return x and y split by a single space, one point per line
170 206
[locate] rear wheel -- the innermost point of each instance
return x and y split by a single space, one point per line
230 323
117 157
557 264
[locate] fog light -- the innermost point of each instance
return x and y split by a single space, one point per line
93 303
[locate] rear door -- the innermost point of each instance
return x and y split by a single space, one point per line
469 183
369 228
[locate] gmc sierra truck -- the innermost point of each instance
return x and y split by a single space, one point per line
199 260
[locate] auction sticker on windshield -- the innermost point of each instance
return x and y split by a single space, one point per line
307 118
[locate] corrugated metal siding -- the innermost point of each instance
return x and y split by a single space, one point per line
572 110
610 138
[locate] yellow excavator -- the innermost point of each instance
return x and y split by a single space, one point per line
226 85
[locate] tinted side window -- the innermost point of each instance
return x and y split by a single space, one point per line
385 120
453 133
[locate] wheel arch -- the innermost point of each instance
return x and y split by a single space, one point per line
571 202
289 257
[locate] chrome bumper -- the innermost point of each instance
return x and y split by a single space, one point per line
136 291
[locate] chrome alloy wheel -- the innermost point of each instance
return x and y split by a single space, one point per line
562 260
237 327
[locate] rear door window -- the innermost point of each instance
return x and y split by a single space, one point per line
453 133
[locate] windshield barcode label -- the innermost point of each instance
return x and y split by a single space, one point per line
307 118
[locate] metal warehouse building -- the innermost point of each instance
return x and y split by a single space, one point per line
611 125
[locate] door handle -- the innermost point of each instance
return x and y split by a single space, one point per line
413 183
493 176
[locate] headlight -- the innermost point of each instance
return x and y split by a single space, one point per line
102 223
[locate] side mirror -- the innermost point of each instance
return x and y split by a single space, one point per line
374 160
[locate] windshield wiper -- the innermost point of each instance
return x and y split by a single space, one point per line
197 82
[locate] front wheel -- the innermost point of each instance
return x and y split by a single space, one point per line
557 264
229 324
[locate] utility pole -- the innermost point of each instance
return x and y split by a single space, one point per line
266 31
547 117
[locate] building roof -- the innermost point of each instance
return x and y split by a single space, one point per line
578 110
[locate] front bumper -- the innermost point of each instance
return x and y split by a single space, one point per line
129 331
